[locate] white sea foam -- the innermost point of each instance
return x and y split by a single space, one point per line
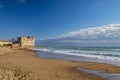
103 56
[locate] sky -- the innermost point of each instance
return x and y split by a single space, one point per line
52 18
107 36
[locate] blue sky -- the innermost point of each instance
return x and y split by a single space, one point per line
51 18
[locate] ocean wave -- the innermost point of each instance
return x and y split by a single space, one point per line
102 55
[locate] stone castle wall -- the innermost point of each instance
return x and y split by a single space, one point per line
26 42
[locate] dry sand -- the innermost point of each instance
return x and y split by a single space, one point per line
23 65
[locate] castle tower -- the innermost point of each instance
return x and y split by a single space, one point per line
26 42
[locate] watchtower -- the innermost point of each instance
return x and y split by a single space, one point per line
26 42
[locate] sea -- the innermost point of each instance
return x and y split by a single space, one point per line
110 55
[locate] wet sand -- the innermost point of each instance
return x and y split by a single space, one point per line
23 65
106 76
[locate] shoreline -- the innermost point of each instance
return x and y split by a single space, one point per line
27 66
101 56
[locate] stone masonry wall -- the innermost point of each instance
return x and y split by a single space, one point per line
26 42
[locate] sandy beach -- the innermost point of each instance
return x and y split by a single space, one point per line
22 64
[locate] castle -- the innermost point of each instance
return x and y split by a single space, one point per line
24 42
21 42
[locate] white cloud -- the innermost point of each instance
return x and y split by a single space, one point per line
22 1
108 31
108 35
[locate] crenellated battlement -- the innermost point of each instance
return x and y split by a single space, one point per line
26 41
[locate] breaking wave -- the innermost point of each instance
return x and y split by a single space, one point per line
111 56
